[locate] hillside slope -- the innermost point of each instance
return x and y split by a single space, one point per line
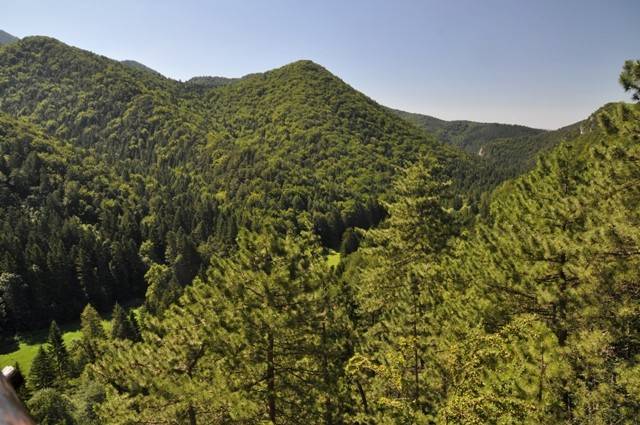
6 38
265 131
294 145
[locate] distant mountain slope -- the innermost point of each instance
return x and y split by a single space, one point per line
137 65
6 38
513 156
467 135
508 150
206 81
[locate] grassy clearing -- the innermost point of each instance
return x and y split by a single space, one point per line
28 343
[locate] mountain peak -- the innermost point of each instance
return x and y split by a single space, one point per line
304 66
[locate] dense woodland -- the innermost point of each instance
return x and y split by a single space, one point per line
188 167
497 288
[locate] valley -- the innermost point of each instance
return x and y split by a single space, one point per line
288 250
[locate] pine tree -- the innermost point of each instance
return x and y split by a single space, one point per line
133 327
398 294
50 407
58 352
559 258
42 374
119 323
630 78
93 333
350 241
14 293
255 342
91 323
277 285
123 325
162 289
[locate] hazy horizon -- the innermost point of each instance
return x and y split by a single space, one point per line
543 65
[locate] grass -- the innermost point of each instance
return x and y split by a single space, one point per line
29 342
333 259
26 346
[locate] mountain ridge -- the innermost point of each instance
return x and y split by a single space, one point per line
466 134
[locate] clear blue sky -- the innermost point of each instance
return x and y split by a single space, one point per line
544 63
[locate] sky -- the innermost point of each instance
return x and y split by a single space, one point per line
542 63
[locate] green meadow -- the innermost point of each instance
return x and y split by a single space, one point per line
26 346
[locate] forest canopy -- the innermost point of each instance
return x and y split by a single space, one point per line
497 288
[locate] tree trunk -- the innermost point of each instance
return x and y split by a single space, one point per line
363 397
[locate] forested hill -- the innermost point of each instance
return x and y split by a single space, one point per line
296 137
294 145
6 38
210 82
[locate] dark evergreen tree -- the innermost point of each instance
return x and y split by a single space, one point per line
123 325
43 373
134 326
15 294
58 352
282 353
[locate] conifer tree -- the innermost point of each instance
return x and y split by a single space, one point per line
119 323
561 252
630 78
133 326
50 407
42 374
91 323
162 289
258 341
93 333
277 285
58 352
398 294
